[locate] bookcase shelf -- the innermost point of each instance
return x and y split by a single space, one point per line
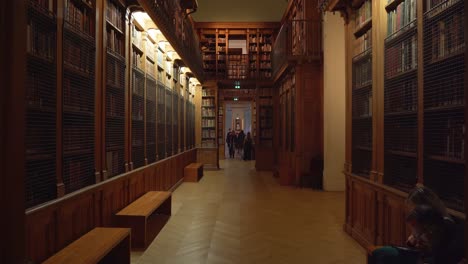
209 118
392 5
363 28
400 96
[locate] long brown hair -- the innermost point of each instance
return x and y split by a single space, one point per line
422 195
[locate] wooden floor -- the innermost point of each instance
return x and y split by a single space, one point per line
238 215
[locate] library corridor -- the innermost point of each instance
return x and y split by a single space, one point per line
239 215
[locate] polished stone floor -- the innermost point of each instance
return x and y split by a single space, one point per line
239 215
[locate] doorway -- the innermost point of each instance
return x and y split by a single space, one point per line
238 117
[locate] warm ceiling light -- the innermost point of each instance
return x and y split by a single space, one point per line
141 17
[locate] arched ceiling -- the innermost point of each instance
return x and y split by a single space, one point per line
240 10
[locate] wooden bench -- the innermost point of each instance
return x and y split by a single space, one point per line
146 216
193 172
100 245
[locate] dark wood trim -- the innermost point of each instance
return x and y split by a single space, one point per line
237 25
128 74
59 120
420 146
12 134
99 104
466 134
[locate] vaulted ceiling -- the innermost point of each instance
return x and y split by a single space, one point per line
240 10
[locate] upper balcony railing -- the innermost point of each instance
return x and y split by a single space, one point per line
297 40
177 28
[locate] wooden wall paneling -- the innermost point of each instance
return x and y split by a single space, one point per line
394 225
379 235
12 132
75 217
99 98
41 235
137 185
114 197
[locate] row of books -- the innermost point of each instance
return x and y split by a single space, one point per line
453 140
150 50
137 59
404 14
448 36
364 13
433 3
209 57
401 138
46 4
115 42
78 96
115 73
265 65
362 137
114 105
208 133
208 102
75 175
150 67
40 90
208 123
208 92
451 94
362 106
115 15
362 74
401 57
78 137
266 123
78 56
79 17
208 143
113 160
265 74
40 41
137 37
363 43
208 112
138 84
138 110
401 97
266 133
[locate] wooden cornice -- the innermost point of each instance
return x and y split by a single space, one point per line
237 25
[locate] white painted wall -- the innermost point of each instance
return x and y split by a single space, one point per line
334 101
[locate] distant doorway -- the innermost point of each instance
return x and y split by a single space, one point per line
238 118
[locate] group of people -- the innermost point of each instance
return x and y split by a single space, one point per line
239 142
435 237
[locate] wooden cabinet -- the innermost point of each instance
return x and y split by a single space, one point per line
101 100
416 103
250 60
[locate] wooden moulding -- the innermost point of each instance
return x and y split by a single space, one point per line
392 5
363 28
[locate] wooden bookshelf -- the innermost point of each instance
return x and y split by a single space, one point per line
401 95
209 118
444 103
78 94
362 92
115 89
41 103
221 62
